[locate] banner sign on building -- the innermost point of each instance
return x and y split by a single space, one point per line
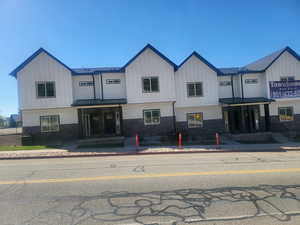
284 89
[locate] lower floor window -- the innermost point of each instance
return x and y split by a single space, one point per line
49 123
151 116
286 113
195 120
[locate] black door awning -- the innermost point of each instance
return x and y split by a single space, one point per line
245 101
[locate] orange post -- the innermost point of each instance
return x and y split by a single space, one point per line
137 143
180 140
217 139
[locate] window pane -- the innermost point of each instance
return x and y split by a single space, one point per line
155 116
54 124
146 85
147 117
195 120
291 78
45 123
198 89
154 84
41 90
50 89
191 90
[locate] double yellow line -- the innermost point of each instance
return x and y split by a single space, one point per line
157 175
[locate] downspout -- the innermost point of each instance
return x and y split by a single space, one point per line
102 97
94 88
174 117
242 86
232 89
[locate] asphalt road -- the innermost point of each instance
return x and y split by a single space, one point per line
216 188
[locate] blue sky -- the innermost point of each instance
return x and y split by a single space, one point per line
108 33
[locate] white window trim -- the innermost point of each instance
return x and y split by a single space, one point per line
113 81
86 83
195 95
187 119
151 91
151 123
50 130
250 81
285 107
45 83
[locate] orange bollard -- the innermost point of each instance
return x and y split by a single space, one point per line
217 139
180 140
137 143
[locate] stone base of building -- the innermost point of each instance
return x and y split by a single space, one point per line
136 126
286 127
210 127
67 132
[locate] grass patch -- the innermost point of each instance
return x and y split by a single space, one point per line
22 148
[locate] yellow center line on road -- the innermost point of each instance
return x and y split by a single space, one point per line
158 175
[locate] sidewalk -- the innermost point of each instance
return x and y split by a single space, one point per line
72 151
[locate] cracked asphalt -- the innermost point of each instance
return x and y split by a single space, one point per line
215 188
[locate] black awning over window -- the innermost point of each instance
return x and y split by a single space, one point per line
91 102
240 101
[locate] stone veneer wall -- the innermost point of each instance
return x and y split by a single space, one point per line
132 127
287 126
66 132
210 127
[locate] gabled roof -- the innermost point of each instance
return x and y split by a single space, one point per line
229 71
194 53
87 71
30 58
259 65
154 50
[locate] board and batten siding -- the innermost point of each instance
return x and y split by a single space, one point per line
135 111
44 68
209 112
275 105
148 64
285 65
195 70
255 90
224 91
83 92
31 118
114 91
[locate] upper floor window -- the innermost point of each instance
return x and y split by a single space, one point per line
49 123
150 84
86 83
151 116
251 81
45 89
286 113
195 89
225 83
113 81
287 79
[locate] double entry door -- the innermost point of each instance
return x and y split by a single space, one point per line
242 119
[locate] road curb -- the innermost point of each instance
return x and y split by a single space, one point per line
143 153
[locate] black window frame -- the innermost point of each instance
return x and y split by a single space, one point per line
287 78
224 83
150 79
195 89
45 83
86 83
113 81
194 113
151 123
251 81
50 130
285 108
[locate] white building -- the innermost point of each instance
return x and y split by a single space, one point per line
151 95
